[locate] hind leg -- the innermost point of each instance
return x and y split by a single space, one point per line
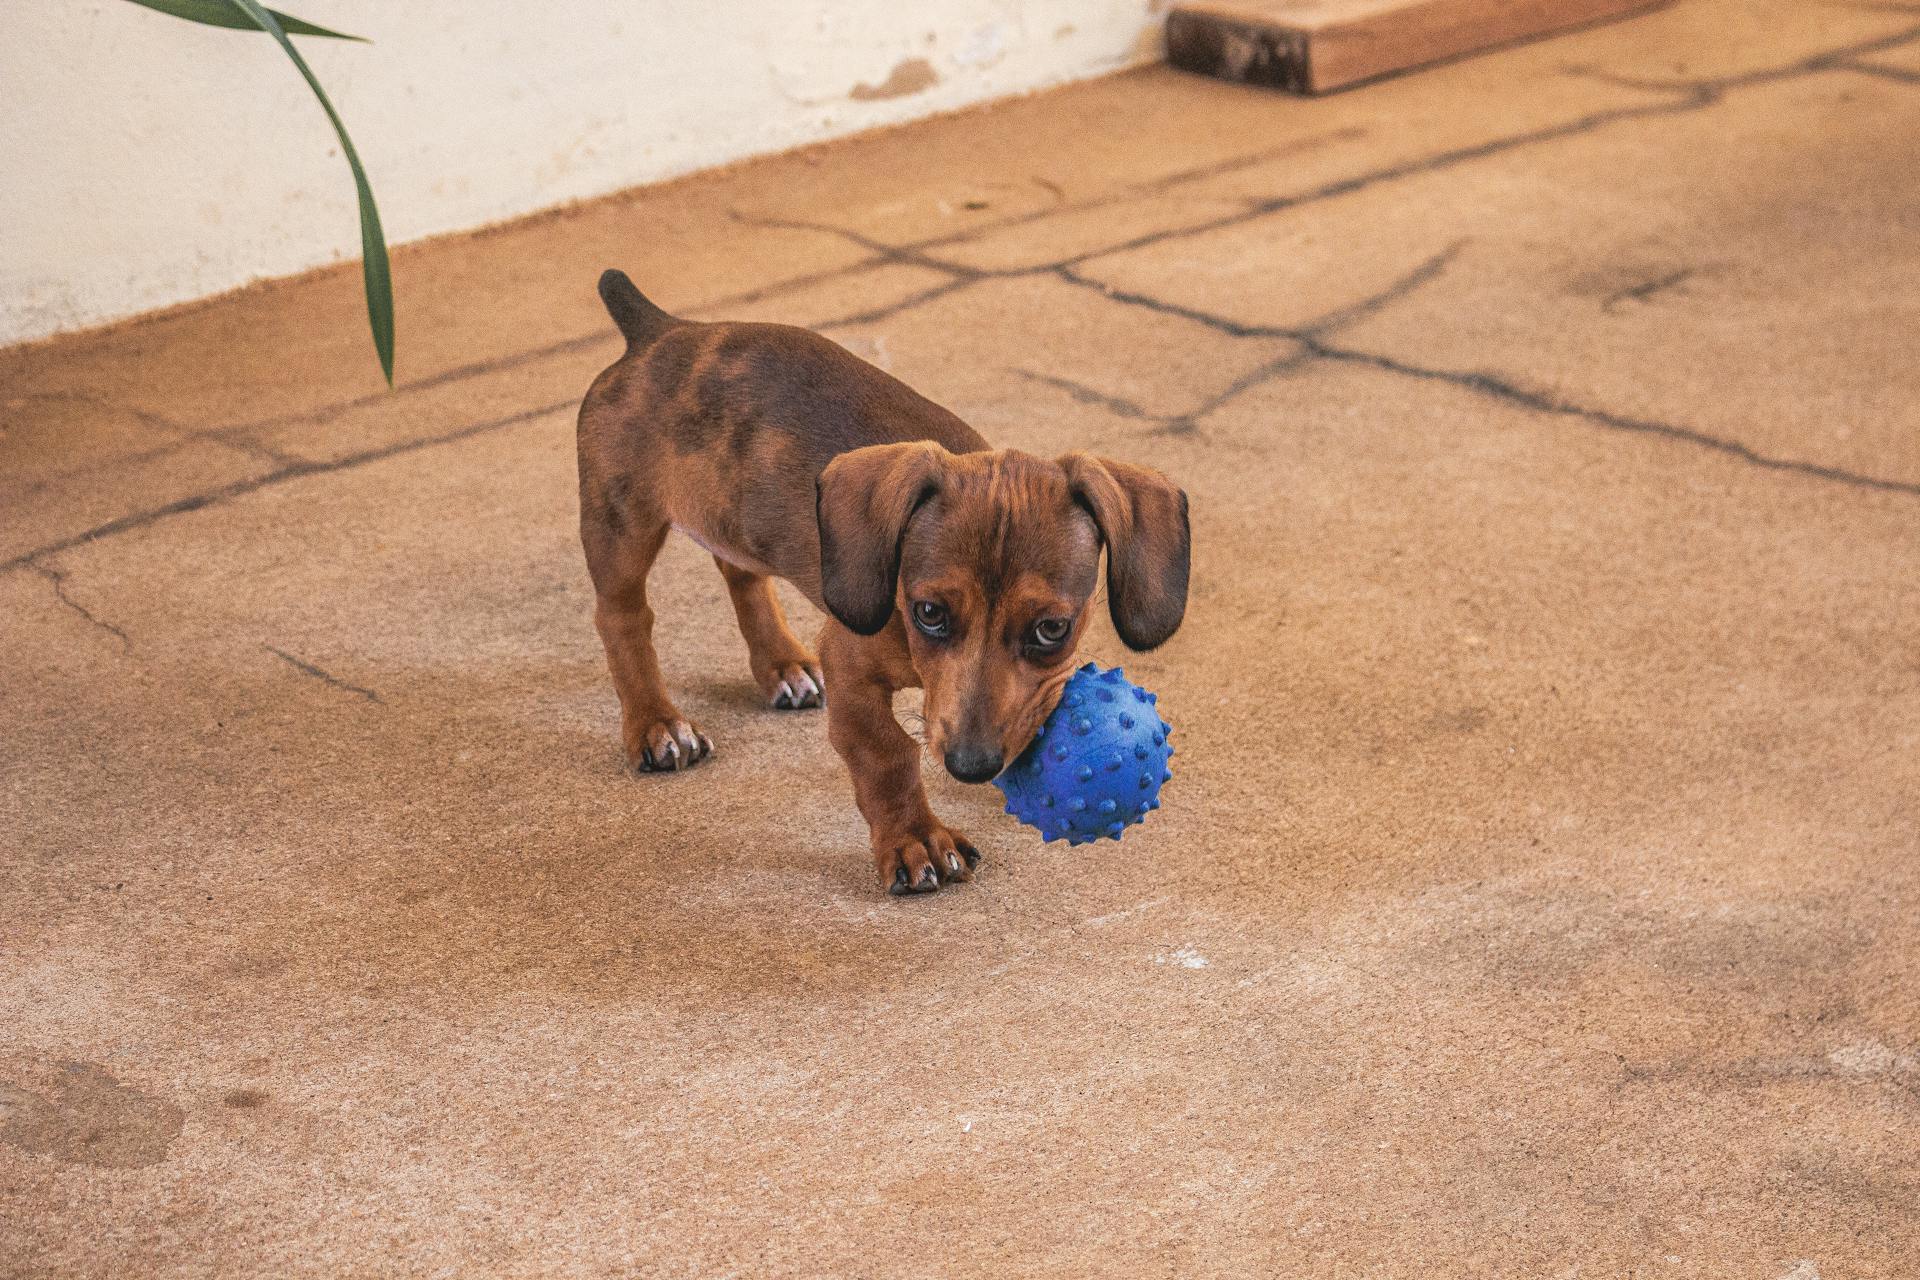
788 675
655 734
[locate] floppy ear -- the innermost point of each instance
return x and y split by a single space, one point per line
863 501
1142 518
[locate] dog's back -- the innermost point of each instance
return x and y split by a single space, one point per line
721 430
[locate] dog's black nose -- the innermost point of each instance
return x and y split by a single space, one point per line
974 764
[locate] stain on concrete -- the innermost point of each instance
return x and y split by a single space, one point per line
912 75
1558 932
1460 722
1863 1060
245 1099
88 1117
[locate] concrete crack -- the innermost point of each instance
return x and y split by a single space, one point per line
1647 288
1501 389
892 309
325 677
145 417
262 451
1436 163
1694 96
1492 385
460 373
1136 191
1218 324
1708 89
58 580
904 255
1426 272
293 471
1279 366
1698 95
1124 195
1899 75
1169 424
1118 406
1421 275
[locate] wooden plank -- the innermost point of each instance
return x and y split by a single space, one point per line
1314 46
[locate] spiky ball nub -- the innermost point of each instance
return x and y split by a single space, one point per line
1096 765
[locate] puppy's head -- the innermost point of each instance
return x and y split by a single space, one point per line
990 559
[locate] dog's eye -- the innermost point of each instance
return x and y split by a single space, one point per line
1050 633
930 617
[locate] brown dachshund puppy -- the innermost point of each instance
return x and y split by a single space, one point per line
943 564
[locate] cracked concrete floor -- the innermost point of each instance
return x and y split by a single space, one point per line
1537 892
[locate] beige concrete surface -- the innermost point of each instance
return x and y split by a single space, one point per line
1537 894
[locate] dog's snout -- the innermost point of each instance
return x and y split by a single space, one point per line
974 764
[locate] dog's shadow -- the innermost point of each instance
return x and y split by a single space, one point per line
527 856
741 695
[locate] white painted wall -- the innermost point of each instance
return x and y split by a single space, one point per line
146 161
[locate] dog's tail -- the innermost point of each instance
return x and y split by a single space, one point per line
639 321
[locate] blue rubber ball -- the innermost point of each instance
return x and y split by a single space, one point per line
1097 764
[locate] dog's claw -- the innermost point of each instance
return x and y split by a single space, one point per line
800 686
669 746
923 859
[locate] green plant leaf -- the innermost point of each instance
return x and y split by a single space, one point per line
219 13
374 268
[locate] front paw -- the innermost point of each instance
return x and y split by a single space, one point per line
665 745
793 686
921 859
